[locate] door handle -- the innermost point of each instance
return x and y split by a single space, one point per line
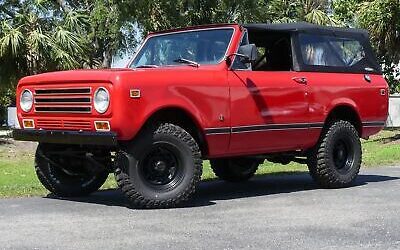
367 78
301 80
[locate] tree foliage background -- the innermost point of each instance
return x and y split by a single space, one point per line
46 35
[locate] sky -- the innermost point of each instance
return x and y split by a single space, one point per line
122 61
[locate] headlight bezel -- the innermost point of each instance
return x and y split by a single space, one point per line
25 108
96 105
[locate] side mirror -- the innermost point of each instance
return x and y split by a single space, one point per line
247 54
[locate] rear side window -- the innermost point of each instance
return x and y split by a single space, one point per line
331 51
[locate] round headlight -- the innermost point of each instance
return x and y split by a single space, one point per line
101 100
26 100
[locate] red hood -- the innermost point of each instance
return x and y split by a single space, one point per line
93 75
115 76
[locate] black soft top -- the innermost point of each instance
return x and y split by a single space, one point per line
305 27
297 28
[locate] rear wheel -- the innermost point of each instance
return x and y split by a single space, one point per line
67 174
336 160
235 169
161 168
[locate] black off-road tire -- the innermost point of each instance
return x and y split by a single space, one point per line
62 184
234 169
328 165
166 143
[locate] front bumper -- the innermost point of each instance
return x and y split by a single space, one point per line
66 137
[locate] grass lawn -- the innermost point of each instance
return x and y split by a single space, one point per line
17 176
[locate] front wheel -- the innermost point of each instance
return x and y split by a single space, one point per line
161 168
64 173
336 160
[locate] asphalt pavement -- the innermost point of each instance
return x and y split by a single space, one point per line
268 212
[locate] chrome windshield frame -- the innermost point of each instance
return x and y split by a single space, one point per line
184 31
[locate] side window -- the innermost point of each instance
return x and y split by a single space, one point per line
237 63
274 52
318 50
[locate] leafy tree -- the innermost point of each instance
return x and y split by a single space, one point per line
313 11
345 11
34 40
46 35
107 30
382 19
154 15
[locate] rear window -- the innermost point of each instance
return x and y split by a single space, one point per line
331 51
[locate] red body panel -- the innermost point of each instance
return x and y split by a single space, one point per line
268 98
329 90
233 102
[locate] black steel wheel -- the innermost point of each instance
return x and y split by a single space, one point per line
336 160
343 155
160 168
234 169
65 175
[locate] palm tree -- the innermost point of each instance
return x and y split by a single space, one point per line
39 42
32 41
382 19
313 11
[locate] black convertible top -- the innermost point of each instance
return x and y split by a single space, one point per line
367 65
305 27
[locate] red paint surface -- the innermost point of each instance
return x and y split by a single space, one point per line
242 97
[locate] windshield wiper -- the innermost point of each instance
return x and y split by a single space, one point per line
188 62
147 66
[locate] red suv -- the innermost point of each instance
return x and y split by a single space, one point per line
233 94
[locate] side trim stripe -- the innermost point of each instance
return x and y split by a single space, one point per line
275 127
268 127
260 128
216 131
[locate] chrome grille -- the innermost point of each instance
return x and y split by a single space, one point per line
48 124
63 100
63 124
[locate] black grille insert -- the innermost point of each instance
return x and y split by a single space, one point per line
64 109
72 91
64 100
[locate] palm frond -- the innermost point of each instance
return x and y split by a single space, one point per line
320 17
75 20
64 60
11 39
72 42
38 42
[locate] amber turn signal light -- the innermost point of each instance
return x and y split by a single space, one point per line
28 123
102 125
135 93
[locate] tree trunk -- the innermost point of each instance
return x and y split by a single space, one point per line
62 5
107 59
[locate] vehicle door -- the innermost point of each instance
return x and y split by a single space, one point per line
269 109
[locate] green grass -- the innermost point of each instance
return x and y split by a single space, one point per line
17 176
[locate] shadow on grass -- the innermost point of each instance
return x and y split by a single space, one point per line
5 141
385 140
209 192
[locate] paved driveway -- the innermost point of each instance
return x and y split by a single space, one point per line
269 212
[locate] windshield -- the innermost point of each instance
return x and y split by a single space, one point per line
188 47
